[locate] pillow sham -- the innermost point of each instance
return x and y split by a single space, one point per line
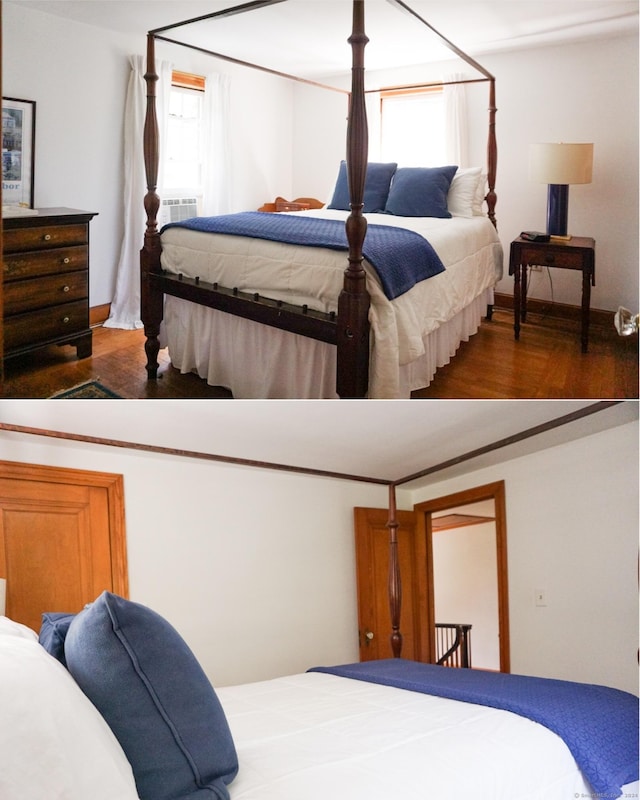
145 681
376 187
461 198
481 191
53 632
53 742
420 192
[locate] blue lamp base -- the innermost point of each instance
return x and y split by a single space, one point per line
557 210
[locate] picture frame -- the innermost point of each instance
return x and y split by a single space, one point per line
18 152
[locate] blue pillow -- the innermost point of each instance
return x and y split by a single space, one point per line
53 632
376 188
147 684
420 192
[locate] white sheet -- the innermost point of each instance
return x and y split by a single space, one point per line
469 248
316 736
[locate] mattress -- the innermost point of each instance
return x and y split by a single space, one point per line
313 736
468 247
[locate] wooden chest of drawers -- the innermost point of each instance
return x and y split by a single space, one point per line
45 270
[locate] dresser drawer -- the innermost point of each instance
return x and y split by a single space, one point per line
44 262
21 296
47 324
553 258
44 237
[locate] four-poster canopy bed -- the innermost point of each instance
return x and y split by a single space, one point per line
363 338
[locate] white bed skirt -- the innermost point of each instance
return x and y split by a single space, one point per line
257 362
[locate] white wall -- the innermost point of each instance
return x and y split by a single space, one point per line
579 92
255 568
77 74
572 530
465 582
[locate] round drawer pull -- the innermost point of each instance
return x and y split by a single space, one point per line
549 258
65 288
66 320
47 237
66 260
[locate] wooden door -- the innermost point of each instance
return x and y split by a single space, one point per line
62 539
372 565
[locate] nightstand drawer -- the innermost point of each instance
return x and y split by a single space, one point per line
21 296
44 262
552 258
47 324
44 237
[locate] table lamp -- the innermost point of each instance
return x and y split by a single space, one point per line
560 165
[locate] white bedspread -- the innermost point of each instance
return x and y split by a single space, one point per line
469 248
316 736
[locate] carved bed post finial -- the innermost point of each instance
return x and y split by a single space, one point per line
151 302
492 154
353 303
395 583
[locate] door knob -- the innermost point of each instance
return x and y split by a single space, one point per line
368 635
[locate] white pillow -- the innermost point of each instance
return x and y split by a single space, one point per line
9 627
53 741
481 191
462 197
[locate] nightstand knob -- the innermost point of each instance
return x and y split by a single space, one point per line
66 320
66 260
549 258
65 288
47 237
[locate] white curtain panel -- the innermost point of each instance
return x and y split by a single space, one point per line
125 306
455 116
216 184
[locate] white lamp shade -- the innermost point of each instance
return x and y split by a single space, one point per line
561 163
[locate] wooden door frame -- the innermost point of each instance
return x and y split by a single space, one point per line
490 491
112 483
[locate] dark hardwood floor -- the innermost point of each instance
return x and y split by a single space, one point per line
545 363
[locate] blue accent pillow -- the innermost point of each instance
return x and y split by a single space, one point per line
147 684
376 187
420 192
53 632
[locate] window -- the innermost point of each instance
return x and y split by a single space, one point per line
183 155
413 127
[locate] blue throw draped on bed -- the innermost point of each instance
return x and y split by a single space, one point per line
598 724
401 257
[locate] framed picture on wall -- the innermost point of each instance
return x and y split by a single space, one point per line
18 139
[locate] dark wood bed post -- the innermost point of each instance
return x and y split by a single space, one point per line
353 303
395 584
151 304
492 154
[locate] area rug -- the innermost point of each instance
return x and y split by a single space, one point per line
89 390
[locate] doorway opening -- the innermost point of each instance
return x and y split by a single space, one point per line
466 566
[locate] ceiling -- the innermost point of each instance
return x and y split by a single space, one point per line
308 37
383 440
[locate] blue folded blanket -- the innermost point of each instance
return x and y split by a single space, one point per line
599 725
401 257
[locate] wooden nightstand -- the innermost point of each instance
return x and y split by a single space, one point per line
45 268
578 253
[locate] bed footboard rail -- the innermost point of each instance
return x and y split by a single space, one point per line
275 313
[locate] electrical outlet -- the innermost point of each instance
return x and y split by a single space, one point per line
540 597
